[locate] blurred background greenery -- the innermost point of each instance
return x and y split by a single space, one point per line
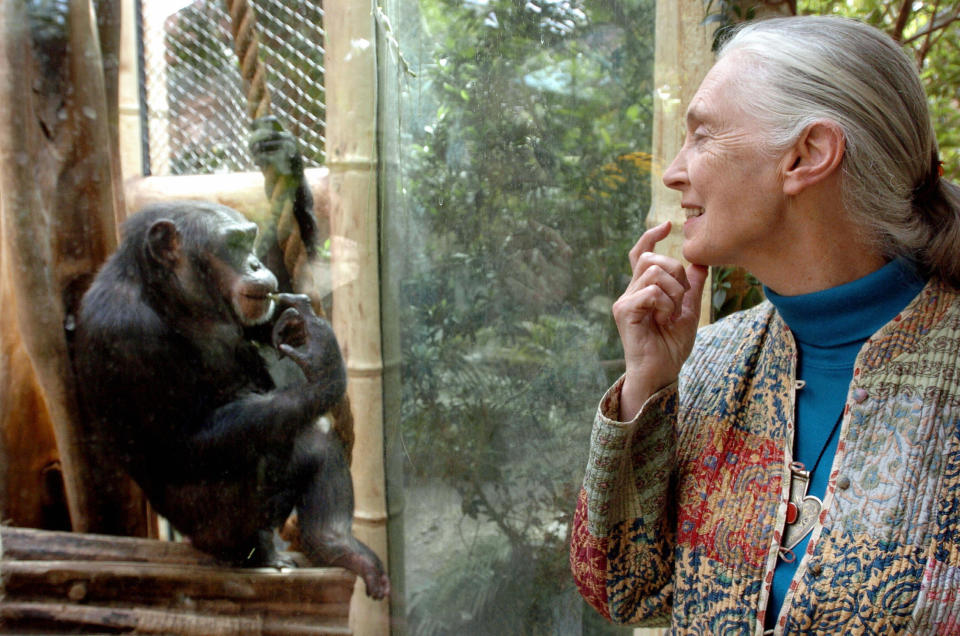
525 171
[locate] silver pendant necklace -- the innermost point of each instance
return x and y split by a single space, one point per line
803 510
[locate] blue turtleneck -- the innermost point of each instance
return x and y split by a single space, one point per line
830 327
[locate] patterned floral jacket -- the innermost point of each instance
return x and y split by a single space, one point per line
681 509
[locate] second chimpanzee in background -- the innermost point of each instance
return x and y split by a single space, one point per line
176 388
274 149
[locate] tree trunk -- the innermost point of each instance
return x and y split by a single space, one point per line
59 201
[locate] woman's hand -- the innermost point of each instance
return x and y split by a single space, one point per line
657 317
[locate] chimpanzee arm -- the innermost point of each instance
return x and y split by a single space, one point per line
258 423
277 417
303 210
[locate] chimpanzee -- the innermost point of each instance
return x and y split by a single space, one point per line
271 146
173 382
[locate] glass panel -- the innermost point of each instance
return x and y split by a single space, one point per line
517 177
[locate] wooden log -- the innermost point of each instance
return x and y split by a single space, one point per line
156 583
27 544
148 621
62 582
56 209
242 191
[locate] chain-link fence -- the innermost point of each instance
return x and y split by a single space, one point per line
192 90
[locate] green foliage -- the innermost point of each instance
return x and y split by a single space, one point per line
930 32
733 289
528 176
496 589
728 13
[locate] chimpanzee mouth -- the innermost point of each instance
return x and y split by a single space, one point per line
255 308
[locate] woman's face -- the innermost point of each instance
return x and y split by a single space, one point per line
730 189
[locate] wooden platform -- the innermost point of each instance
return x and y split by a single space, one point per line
62 582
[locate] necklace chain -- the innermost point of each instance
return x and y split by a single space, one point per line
826 443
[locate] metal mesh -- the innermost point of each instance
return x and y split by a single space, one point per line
194 101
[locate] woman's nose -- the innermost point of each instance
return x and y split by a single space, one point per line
675 176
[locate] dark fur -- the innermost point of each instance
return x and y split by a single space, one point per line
175 387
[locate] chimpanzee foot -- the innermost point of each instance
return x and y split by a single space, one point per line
376 580
268 552
283 562
264 559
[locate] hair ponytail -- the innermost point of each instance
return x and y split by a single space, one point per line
941 213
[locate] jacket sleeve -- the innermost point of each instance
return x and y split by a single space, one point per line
621 551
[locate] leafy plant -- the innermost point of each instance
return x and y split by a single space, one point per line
930 32
734 289
528 173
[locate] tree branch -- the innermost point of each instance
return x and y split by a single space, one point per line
905 10
925 47
936 25
791 5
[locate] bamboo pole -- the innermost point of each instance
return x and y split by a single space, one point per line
682 57
130 130
351 89
282 230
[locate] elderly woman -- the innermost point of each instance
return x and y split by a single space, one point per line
795 466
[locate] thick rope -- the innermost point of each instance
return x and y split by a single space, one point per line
279 187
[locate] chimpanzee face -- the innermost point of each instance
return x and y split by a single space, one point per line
204 255
244 281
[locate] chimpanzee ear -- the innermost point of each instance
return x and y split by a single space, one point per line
163 242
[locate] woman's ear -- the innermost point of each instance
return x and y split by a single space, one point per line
816 155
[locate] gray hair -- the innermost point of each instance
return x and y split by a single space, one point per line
811 68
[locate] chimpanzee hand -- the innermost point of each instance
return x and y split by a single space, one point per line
271 145
309 341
